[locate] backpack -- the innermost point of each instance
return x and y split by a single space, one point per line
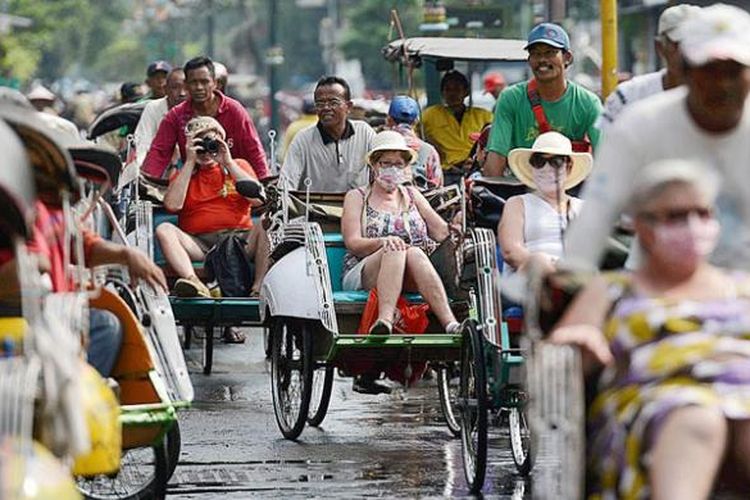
229 264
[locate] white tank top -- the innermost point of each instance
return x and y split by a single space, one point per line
542 223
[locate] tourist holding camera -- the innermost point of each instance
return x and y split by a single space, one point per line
213 194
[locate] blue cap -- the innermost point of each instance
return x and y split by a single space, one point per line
550 34
403 109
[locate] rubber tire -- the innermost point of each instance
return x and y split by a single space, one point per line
447 406
155 489
301 330
474 415
174 444
522 455
317 410
208 351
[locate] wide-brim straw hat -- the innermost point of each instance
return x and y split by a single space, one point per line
390 140
551 143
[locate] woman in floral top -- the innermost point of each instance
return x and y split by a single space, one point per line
671 342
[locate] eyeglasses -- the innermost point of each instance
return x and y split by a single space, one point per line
678 215
387 164
539 160
331 103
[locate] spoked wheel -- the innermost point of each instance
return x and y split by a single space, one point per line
449 394
322 386
473 403
291 374
143 475
520 440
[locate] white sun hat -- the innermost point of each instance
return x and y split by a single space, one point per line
673 17
551 143
390 140
716 33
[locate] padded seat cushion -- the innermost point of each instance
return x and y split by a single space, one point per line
360 296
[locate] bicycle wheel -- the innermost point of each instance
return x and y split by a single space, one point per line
143 475
291 374
448 398
321 395
473 401
520 440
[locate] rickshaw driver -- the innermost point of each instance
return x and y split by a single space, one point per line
154 112
331 153
707 119
667 45
205 100
156 79
449 126
562 105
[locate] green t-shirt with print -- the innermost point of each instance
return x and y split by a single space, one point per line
514 124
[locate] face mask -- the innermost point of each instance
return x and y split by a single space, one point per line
390 178
548 178
688 242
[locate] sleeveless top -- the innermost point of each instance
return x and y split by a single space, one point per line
542 225
407 225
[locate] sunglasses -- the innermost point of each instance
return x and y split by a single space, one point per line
539 160
678 215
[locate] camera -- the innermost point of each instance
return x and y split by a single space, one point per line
209 145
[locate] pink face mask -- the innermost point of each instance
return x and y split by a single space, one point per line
547 180
686 242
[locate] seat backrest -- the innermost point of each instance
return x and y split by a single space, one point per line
335 252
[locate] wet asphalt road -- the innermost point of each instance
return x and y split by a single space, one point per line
390 446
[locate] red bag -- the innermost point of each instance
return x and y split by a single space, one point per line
410 319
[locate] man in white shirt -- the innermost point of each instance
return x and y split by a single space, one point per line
707 119
667 45
155 111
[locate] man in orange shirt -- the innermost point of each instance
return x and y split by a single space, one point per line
204 193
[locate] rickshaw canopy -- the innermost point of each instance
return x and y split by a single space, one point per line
53 167
99 163
17 193
114 118
456 49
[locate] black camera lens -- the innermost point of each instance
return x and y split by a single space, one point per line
210 145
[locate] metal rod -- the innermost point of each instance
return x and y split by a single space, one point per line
608 10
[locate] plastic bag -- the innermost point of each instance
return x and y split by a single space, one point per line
410 318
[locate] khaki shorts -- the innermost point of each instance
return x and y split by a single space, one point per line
207 240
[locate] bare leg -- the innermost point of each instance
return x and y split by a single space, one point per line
258 248
179 249
385 270
687 454
421 273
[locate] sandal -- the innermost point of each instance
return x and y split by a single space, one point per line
233 335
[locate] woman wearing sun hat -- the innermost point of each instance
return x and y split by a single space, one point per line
389 230
532 224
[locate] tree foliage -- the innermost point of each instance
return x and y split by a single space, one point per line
368 29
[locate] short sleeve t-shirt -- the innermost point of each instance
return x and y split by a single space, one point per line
212 202
451 138
514 125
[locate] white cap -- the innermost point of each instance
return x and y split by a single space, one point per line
716 33
673 17
40 93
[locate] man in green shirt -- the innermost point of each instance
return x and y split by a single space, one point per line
567 107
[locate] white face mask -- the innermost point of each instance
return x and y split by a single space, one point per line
687 242
389 178
549 180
